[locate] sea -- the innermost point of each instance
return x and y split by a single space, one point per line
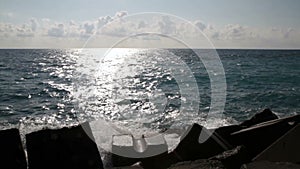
142 91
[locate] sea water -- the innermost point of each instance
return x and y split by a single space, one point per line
141 91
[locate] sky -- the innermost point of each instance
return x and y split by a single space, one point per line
195 23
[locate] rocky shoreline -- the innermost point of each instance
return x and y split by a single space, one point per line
264 141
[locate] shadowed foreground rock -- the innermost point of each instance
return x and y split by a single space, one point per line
263 116
286 148
199 164
271 165
194 146
257 138
12 155
233 159
264 136
66 148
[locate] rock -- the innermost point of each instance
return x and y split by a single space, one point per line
12 155
160 161
134 166
233 159
128 167
286 148
66 148
199 164
226 131
257 138
263 116
128 150
272 165
193 147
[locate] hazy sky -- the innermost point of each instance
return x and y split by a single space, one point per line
226 23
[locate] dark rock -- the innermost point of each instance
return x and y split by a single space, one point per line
134 166
121 161
199 164
226 131
233 159
191 146
272 165
160 161
286 148
259 137
66 148
263 116
12 155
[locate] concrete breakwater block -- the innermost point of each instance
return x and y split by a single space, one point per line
265 115
199 164
233 159
128 167
286 148
128 150
12 155
66 148
271 165
200 143
258 137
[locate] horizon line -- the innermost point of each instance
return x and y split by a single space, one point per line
154 48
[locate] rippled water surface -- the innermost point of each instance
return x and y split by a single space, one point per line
141 90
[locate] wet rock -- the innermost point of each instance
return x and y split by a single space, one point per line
286 148
226 131
66 148
128 167
263 116
160 161
199 143
134 166
199 164
12 155
272 165
233 159
257 138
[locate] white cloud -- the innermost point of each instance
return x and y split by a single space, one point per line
103 21
121 14
166 25
89 28
109 28
34 24
24 31
6 28
199 24
57 31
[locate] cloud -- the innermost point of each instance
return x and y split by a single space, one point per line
103 21
6 28
111 27
199 24
166 25
121 14
57 31
24 31
234 31
89 28
34 24
288 32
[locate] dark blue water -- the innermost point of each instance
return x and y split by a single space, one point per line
41 86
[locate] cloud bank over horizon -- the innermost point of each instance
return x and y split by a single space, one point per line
106 30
